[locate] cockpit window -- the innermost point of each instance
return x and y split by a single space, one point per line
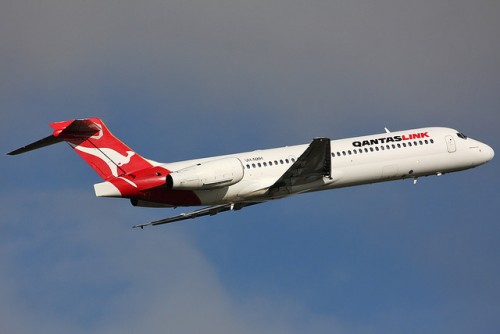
461 135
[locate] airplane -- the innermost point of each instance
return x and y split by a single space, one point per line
235 181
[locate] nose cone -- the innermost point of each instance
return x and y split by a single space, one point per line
481 152
488 152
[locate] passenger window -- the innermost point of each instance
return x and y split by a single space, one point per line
286 160
349 152
432 141
426 142
399 145
293 159
281 162
248 166
253 165
265 164
258 164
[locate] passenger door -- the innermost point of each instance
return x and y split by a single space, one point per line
450 143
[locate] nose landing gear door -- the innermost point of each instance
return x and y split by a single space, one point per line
450 143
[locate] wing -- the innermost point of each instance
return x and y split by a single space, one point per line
312 165
208 211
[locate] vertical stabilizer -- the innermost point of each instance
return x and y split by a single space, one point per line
105 153
92 140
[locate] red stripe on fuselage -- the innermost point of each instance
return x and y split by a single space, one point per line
130 189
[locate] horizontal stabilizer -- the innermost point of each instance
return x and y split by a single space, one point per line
50 140
78 128
63 131
95 144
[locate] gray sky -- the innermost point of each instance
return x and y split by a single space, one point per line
184 79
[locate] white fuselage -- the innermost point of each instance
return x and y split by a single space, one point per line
232 182
354 161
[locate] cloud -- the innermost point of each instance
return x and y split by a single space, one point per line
83 272
192 78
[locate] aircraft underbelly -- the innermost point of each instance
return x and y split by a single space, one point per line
213 196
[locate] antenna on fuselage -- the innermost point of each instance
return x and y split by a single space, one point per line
387 130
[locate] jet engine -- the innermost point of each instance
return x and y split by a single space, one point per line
207 175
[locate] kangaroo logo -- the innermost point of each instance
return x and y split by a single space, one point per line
109 156
99 134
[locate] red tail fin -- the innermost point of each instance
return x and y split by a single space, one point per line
91 139
106 154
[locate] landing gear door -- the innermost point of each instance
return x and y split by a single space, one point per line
450 143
